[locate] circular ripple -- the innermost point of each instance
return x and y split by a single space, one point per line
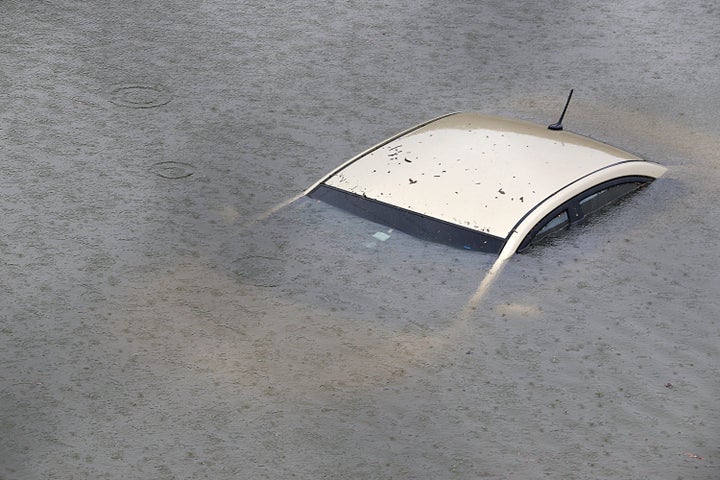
173 170
140 96
259 271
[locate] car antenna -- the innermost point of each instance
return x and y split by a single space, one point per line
558 125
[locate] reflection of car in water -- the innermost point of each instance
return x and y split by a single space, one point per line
483 183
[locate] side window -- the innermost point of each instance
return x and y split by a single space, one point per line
598 200
587 203
548 226
556 223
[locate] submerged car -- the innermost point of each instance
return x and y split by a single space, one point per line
482 182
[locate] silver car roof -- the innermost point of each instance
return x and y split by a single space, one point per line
480 172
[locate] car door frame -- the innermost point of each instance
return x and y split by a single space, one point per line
575 213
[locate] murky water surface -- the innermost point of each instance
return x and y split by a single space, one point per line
169 312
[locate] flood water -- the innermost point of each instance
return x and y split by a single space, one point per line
172 309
